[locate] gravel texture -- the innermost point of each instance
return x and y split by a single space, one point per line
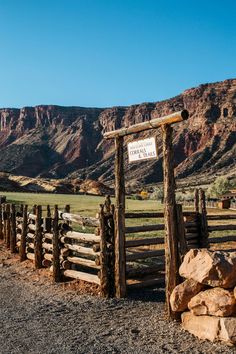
37 316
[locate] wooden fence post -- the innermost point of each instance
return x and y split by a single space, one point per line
204 242
13 229
103 255
4 222
170 216
8 225
196 200
120 257
23 234
1 225
183 248
38 250
56 247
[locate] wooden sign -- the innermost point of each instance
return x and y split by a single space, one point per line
144 149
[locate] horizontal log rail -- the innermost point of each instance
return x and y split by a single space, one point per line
83 262
141 271
82 237
221 228
229 238
79 219
147 125
222 217
144 242
75 274
144 228
137 284
137 215
82 250
144 255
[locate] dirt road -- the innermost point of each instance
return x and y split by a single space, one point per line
38 317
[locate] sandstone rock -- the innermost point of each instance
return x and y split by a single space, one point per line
183 293
216 302
211 268
210 327
203 327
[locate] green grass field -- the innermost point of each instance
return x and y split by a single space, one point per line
89 205
82 204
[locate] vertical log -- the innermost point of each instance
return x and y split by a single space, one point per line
107 204
204 241
23 234
67 210
38 250
13 229
120 259
48 211
1 223
8 225
170 216
196 200
34 209
21 209
183 248
4 214
56 247
103 255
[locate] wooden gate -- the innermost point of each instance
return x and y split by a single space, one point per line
173 233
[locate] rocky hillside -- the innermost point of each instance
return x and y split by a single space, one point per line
56 142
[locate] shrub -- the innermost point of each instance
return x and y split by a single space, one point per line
220 186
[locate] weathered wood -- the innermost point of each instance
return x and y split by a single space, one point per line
38 250
183 249
83 262
46 263
47 246
119 218
171 229
79 219
139 215
8 225
138 284
82 237
47 224
48 256
82 250
32 216
154 123
30 256
221 228
144 242
1 224
144 255
30 235
144 228
140 272
222 217
13 229
48 236
4 216
22 250
96 247
103 256
91 278
196 200
65 264
191 236
203 221
229 238
48 211
56 247
32 227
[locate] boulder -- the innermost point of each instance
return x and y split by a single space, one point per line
215 302
210 327
211 268
183 293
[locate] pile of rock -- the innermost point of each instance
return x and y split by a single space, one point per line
209 294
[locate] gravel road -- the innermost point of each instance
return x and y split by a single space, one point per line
39 317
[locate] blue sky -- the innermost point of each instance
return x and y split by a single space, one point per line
112 52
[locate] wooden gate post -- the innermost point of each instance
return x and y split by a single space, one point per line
170 216
38 250
23 234
13 229
105 291
204 242
120 259
8 225
56 247
196 200
1 223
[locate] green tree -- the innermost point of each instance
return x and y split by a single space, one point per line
220 186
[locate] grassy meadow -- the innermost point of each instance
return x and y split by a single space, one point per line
89 205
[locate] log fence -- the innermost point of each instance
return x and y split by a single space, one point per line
85 248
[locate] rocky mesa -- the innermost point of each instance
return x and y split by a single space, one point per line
56 142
